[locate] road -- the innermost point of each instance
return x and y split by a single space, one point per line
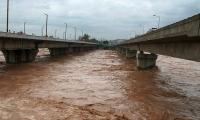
99 85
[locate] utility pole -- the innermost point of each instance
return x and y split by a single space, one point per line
24 27
65 31
7 25
46 24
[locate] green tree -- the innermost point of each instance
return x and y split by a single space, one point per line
85 37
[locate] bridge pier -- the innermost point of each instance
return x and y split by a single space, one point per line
131 53
83 49
122 51
20 56
57 51
78 49
75 49
145 61
70 50
86 49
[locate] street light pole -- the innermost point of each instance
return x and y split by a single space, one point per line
65 31
82 32
42 30
70 35
24 27
46 24
63 35
7 25
142 29
55 32
75 29
158 20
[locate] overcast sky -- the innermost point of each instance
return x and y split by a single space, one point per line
110 19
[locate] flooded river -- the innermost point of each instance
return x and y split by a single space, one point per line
99 85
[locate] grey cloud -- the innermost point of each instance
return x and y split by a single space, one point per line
103 18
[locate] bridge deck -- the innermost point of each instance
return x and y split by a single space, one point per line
181 40
187 28
4 35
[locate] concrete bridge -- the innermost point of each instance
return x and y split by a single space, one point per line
181 40
20 48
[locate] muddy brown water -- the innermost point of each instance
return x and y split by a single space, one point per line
99 85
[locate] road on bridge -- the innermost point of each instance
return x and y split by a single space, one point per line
99 85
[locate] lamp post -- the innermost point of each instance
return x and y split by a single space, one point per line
70 35
7 25
46 23
65 31
63 35
142 26
82 33
24 27
75 29
42 30
158 20
55 32
81 30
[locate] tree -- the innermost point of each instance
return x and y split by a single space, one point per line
93 40
85 37
105 42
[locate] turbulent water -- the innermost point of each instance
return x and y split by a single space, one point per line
99 85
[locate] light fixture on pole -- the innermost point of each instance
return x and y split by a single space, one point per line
63 35
42 30
70 36
75 29
158 20
46 24
7 24
55 33
142 27
24 27
82 33
65 31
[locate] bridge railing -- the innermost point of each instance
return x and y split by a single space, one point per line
38 38
189 27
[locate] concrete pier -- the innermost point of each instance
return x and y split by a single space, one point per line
70 50
122 51
145 61
57 51
77 49
180 40
63 51
20 56
131 53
